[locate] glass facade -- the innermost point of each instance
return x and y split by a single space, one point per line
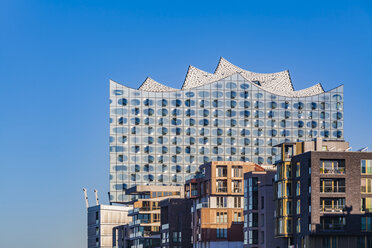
158 138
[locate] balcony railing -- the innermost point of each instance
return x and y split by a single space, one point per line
330 189
202 205
332 209
332 171
221 190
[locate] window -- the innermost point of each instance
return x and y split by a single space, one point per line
367 204
253 219
298 169
366 167
221 186
236 186
237 171
298 207
221 171
332 166
221 233
298 188
331 185
253 237
366 223
221 217
237 202
366 185
298 227
253 193
262 202
221 202
332 223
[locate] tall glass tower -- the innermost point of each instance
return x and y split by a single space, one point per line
159 135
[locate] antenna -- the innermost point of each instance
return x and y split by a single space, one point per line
348 149
86 197
96 194
364 149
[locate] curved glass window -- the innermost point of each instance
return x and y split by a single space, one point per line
204 131
163 112
176 103
245 151
176 140
272 105
217 132
135 102
148 149
123 102
190 122
337 134
272 114
123 139
148 140
122 158
258 95
258 132
245 104
176 131
324 105
231 104
300 133
135 149
258 151
163 130
285 133
176 121
190 141
162 140
135 121
121 168
230 113
189 150
245 113
148 130
324 115
122 120
203 140
217 103
118 92
204 122
258 142
336 124
245 132
203 150
301 114
299 105
148 121
230 140
148 102
149 111
148 159
231 150
285 105
337 116
258 114
258 123
324 124
135 111
217 122
217 113
244 94
176 112
190 94
204 103
231 94
189 103
325 133
217 141
312 133
163 121
190 112
203 94
272 133
271 123
312 124
336 97
164 149
217 94
176 150
162 103
231 122
258 104
272 142
217 150
190 131
312 105
299 124
244 86
231 132
120 111
230 85
204 112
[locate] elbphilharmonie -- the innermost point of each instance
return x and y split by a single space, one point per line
159 135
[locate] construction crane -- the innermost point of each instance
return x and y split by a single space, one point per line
86 198
96 194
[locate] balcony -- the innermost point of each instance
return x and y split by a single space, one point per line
330 189
339 171
165 226
332 209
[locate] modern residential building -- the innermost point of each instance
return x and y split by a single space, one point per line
217 210
144 229
175 223
328 202
159 135
101 221
259 209
120 236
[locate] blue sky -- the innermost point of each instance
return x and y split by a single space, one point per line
56 59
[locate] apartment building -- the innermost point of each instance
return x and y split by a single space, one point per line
217 194
324 198
259 209
175 223
145 225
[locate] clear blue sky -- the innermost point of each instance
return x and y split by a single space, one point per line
56 59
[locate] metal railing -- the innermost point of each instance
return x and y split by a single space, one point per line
332 209
330 189
332 171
